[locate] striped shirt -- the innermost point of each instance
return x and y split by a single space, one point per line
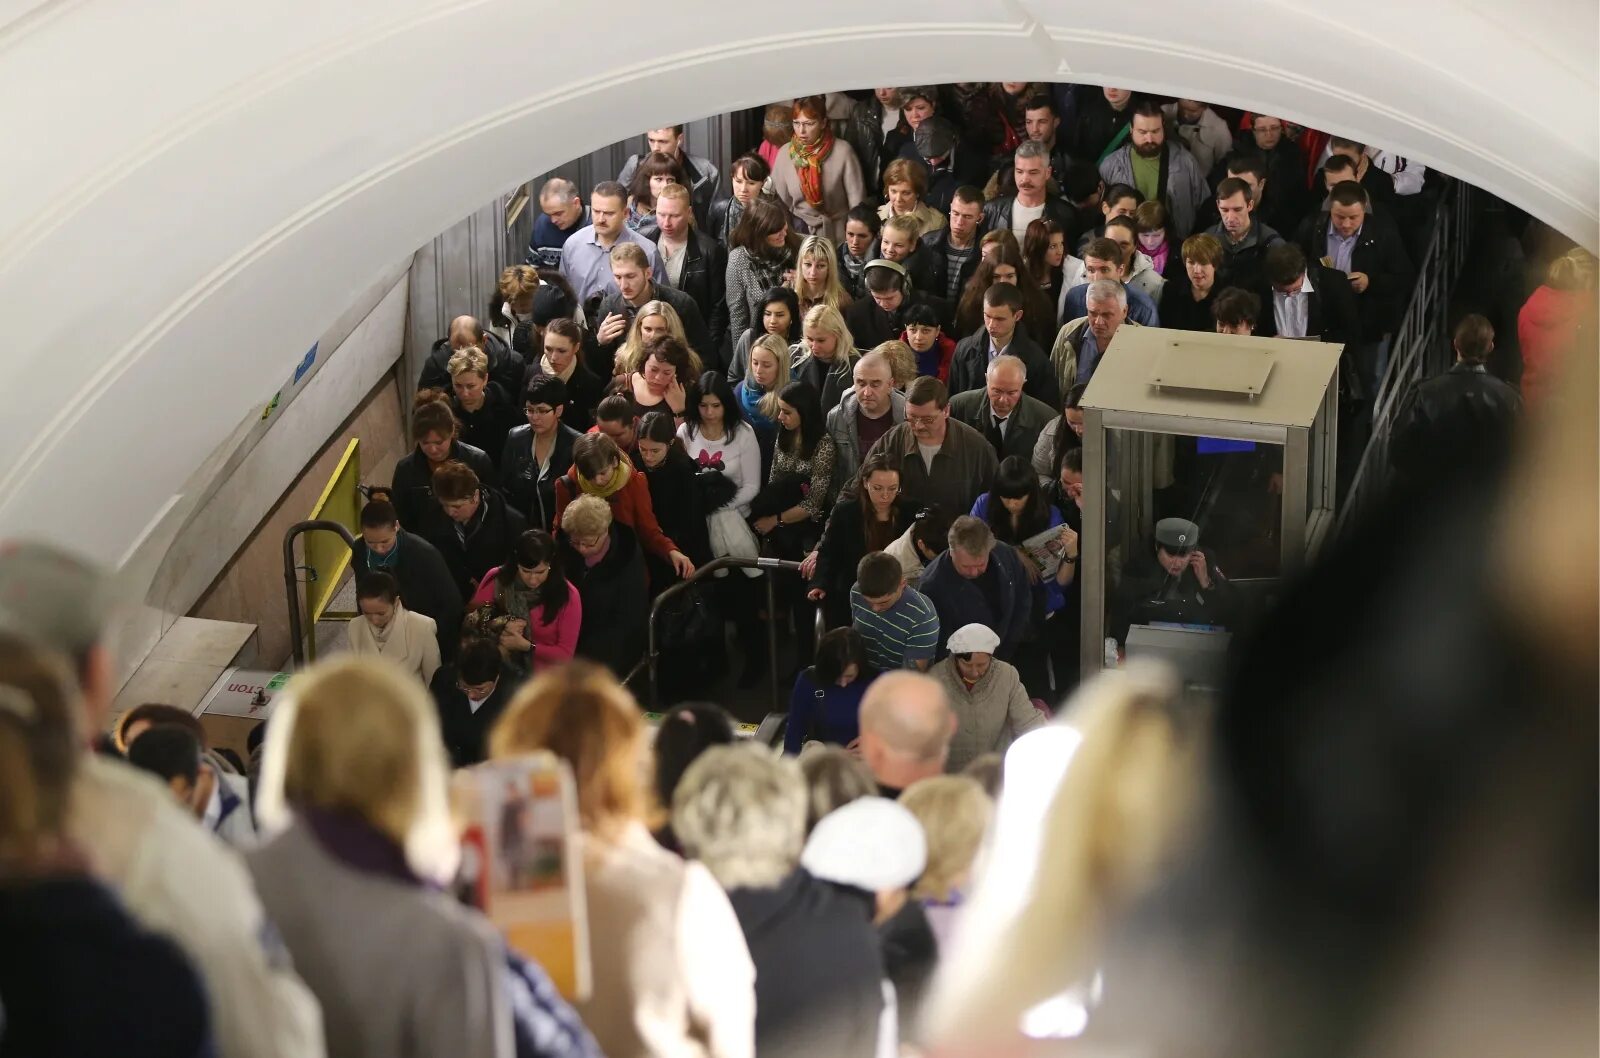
902 635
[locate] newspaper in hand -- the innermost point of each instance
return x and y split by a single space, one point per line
1046 550
522 863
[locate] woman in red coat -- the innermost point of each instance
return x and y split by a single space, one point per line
598 469
1548 325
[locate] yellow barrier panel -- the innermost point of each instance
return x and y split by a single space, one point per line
326 556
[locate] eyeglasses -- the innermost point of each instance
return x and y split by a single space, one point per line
923 420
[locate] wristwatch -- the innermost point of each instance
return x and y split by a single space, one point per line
1070 560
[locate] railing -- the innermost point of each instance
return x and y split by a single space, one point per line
1421 344
291 579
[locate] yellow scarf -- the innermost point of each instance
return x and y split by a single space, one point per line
619 478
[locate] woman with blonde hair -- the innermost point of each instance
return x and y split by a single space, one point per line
757 392
902 362
672 972
826 355
353 792
1552 322
954 812
816 275
656 320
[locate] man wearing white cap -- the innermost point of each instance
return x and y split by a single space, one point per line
986 694
175 878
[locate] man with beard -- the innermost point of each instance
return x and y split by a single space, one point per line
1158 169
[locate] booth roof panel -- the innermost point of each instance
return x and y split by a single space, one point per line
1297 377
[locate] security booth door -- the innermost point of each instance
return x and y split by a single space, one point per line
1208 476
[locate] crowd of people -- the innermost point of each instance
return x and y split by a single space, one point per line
868 357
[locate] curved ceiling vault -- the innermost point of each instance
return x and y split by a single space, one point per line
194 190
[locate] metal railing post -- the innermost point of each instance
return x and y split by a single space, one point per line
291 581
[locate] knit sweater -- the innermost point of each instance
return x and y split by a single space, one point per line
989 714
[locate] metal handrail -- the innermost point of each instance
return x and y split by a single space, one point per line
700 574
291 580
1421 344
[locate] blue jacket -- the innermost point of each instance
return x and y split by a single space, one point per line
1141 309
963 602
827 714
1049 591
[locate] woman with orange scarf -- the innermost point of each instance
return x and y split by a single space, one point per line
818 176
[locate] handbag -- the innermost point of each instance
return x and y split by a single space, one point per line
688 619
779 494
716 488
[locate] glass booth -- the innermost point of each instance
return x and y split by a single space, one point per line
1222 446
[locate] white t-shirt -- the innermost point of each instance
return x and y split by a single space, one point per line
928 452
674 263
1022 216
891 119
739 458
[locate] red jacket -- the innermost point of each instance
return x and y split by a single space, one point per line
630 505
1547 329
944 349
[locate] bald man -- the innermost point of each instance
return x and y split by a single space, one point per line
505 363
1008 418
906 726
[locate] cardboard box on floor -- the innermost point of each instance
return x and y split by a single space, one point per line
236 703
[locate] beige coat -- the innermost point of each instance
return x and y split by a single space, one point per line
928 219
411 641
842 189
988 716
673 976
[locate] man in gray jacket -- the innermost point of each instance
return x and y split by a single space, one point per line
1158 169
871 409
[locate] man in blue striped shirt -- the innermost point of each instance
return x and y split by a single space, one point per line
899 625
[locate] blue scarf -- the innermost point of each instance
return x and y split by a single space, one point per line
750 400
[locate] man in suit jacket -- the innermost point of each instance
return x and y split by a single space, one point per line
1007 417
1002 334
1301 300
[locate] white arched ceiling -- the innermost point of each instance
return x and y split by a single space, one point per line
193 189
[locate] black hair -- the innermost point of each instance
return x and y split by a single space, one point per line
1118 192
714 384
921 314
545 389
687 731
377 585
1080 181
1066 438
378 513
867 215
1016 480
478 661
837 650
807 403
932 528
533 548
791 301
168 751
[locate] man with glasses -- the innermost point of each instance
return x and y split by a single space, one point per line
470 695
955 246
871 408
941 461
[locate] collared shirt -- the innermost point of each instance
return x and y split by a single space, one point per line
998 350
1088 355
1340 248
587 264
1001 422
1292 312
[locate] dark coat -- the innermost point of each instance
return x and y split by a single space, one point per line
971 361
1094 127
1179 311
505 364
844 543
962 602
935 243
694 327
1460 418
925 269
1148 594
818 968
1379 253
80 977
1332 314
871 326
466 733
412 487
489 539
676 499
997 213
614 593
585 391
1028 420
486 428
704 278
535 497
426 586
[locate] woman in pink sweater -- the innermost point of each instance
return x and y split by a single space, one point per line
545 612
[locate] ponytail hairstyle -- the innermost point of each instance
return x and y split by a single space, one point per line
39 752
662 428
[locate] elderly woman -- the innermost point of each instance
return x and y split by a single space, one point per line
904 184
986 695
353 787
742 813
672 971
604 563
387 629
600 470
818 176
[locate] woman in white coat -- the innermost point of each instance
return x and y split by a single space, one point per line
386 627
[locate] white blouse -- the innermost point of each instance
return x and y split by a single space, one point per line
739 457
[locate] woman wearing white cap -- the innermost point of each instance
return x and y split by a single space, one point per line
986 694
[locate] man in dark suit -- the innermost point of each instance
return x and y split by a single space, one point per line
1367 248
1460 419
1007 417
1301 300
1002 333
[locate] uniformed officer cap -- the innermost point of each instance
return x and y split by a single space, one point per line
1177 535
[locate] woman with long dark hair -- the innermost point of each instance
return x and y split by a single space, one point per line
1059 434
1005 264
777 314
870 519
545 612
655 171
1016 510
1044 247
